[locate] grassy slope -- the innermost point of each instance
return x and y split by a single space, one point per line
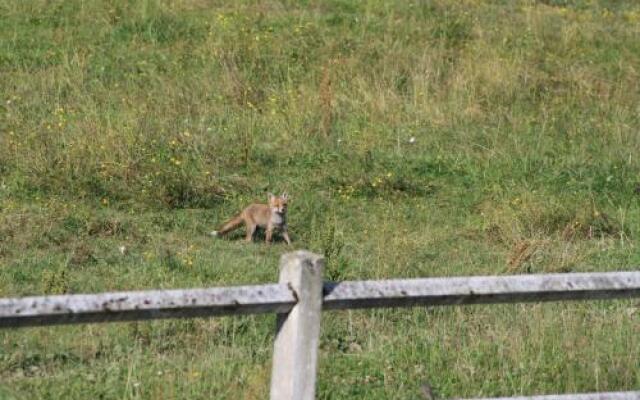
145 124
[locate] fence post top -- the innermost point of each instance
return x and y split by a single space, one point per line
301 256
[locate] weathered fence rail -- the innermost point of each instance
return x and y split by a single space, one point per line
481 290
580 396
301 295
140 305
279 298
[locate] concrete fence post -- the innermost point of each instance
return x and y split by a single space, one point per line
295 350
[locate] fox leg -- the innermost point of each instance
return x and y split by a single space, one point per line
250 231
268 234
285 235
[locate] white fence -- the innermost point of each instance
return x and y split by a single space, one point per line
299 299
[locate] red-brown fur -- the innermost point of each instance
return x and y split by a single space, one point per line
268 216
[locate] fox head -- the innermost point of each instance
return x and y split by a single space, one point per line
278 203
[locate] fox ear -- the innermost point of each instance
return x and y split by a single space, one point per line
285 195
271 196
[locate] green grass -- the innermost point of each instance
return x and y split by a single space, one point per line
145 124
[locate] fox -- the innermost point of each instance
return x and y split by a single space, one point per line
267 216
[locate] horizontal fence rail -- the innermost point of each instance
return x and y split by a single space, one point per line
140 305
481 290
581 396
279 298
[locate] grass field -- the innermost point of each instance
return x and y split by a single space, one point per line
416 139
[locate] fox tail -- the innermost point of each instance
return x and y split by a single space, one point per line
230 225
